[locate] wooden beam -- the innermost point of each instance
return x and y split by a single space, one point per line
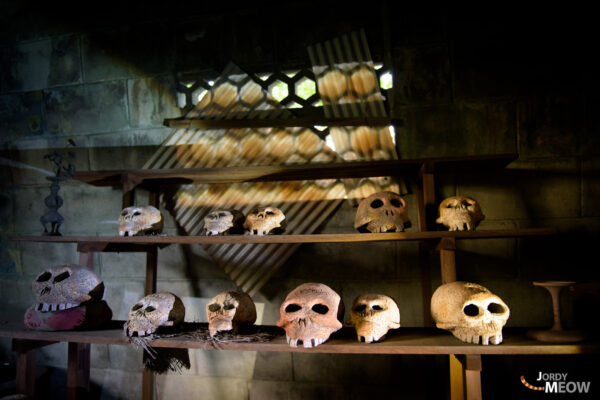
447 248
78 371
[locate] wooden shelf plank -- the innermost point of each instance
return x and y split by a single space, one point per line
288 238
401 341
265 173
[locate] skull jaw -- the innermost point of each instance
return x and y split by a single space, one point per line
222 325
307 333
369 331
470 335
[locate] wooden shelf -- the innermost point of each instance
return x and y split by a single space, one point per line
264 173
285 238
400 341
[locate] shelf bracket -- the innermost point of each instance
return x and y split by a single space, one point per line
471 364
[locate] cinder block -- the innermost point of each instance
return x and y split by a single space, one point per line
226 364
148 103
82 109
22 116
273 366
123 265
141 49
126 358
65 64
121 295
191 387
464 129
551 126
30 66
268 390
590 187
115 384
425 77
38 256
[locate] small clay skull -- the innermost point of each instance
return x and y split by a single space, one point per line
154 311
229 309
382 212
66 286
224 222
373 315
460 213
470 311
265 221
140 220
310 314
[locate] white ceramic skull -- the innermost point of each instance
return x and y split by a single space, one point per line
470 311
224 222
229 309
382 212
373 315
140 220
310 314
460 213
264 221
153 311
66 286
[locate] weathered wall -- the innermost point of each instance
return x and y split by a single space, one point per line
463 85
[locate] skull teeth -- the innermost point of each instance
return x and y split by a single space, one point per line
45 307
307 344
475 339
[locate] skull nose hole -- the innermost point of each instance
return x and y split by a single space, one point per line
376 203
471 310
61 277
214 307
44 277
150 309
46 290
292 308
496 308
360 308
377 307
320 308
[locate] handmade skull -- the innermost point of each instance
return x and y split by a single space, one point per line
224 222
373 315
310 314
460 213
470 311
265 221
66 286
153 311
229 309
382 212
140 221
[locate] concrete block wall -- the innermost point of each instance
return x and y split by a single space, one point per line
463 85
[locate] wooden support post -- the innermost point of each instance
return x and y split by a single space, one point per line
147 384
471 364
151 262
78 370
447 248
86 259
148 376
25 377
427 209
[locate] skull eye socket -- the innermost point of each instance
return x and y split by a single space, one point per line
44 277
292 308
360 308
61 277
496 308
228 307
135 214
150 309
396 203
123 213
377 307
471 310
136 307
320 308
214 307
270 213
376 203
465 203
